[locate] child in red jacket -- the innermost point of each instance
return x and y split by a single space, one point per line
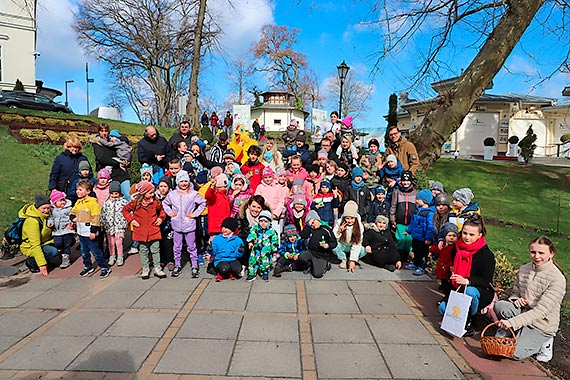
443 248
218 204
253 168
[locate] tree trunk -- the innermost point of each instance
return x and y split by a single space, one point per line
192 111
452 107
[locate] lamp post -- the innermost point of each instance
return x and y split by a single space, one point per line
342 73
66 83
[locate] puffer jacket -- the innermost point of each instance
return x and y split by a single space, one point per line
183 203
225 249
34 234
403 206
421 226
275 196
64 171
59 218
145 216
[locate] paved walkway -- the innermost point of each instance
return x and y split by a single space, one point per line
374 326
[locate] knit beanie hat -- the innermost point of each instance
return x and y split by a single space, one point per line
382 218
83 165
463 195
230 224
447 228
115 133
290 230
425 195
293 122
104 173
182 175
265 215
437 186
350 209
56 195
347 121
216 171
391 158
146 168
243 178
322 154
312 215
222 180
327 184
442 199
229 154
344 166
144 187
299 200
267 172
373 142
115 187
379 190
279 171
407 176
40 200
357 172
301 138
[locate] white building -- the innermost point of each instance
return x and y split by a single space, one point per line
277 111
18 43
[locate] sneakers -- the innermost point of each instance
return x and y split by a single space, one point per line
219 277
410 267
145 274
158 272
120 261
250 278
176 271
419 272
170 266
133 250
195 272
112 260
242 273
342 264
265 277
276 274
86 271
211 269
65 262
105 272
545 353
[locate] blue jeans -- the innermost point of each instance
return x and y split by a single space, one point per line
472 292
64 243
50 252
89 246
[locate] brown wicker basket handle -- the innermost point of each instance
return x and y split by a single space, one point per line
496 323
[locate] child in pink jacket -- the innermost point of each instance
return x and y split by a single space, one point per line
275 196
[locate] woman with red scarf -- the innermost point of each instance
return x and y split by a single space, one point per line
473 268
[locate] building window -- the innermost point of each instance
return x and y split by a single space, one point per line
277 122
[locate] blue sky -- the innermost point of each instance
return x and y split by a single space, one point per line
331 31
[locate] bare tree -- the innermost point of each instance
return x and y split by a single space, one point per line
240 72
498 27
355 95
151 41
192 110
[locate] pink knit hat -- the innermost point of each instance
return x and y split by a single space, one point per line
243 178
221 180
104 173
267 172
56 195
144 187
347 121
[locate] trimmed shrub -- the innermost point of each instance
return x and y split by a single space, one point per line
489 141
528 145
565 137
513 140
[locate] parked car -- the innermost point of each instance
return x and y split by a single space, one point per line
22 99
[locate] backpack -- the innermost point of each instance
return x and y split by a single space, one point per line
13 234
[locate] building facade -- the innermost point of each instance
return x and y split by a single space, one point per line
18 44
277 111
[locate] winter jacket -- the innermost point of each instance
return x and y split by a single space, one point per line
237 200
104 158
34 234
177 137
217 154
148 149
322 234
59 218
112 218
225 249
392 173
347 156
543 287
290 250
355 249
183 203
290 218
265 241
301 175
377 208
421 226
64 171
302 151
363 199
481 277
145 216
255 168
218 209
101 193
381 242
458 217
312 186
405 152
403 206
275 196
444 266
324 205
86 214
72 194
289 137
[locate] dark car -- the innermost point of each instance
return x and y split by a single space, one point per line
22 99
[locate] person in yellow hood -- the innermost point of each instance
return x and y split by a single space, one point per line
37 241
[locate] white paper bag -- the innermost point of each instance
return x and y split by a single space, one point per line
456 313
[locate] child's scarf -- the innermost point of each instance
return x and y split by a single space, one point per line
464 257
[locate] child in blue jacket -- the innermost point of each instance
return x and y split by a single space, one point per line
422 229
227 248
291 246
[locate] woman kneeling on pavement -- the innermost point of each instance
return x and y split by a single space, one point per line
533 309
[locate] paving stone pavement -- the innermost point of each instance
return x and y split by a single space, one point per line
361 326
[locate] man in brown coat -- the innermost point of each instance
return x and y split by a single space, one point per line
404 150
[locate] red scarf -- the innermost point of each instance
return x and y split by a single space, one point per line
464 257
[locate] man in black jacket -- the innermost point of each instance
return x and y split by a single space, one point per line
153 149
320 244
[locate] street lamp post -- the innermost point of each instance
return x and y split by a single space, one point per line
66 83
342 73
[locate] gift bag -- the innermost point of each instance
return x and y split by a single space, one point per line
456 313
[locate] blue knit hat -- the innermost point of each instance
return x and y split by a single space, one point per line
425 195
357 172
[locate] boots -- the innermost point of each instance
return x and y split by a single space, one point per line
65 261
469 327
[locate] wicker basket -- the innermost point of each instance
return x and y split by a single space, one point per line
495 346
